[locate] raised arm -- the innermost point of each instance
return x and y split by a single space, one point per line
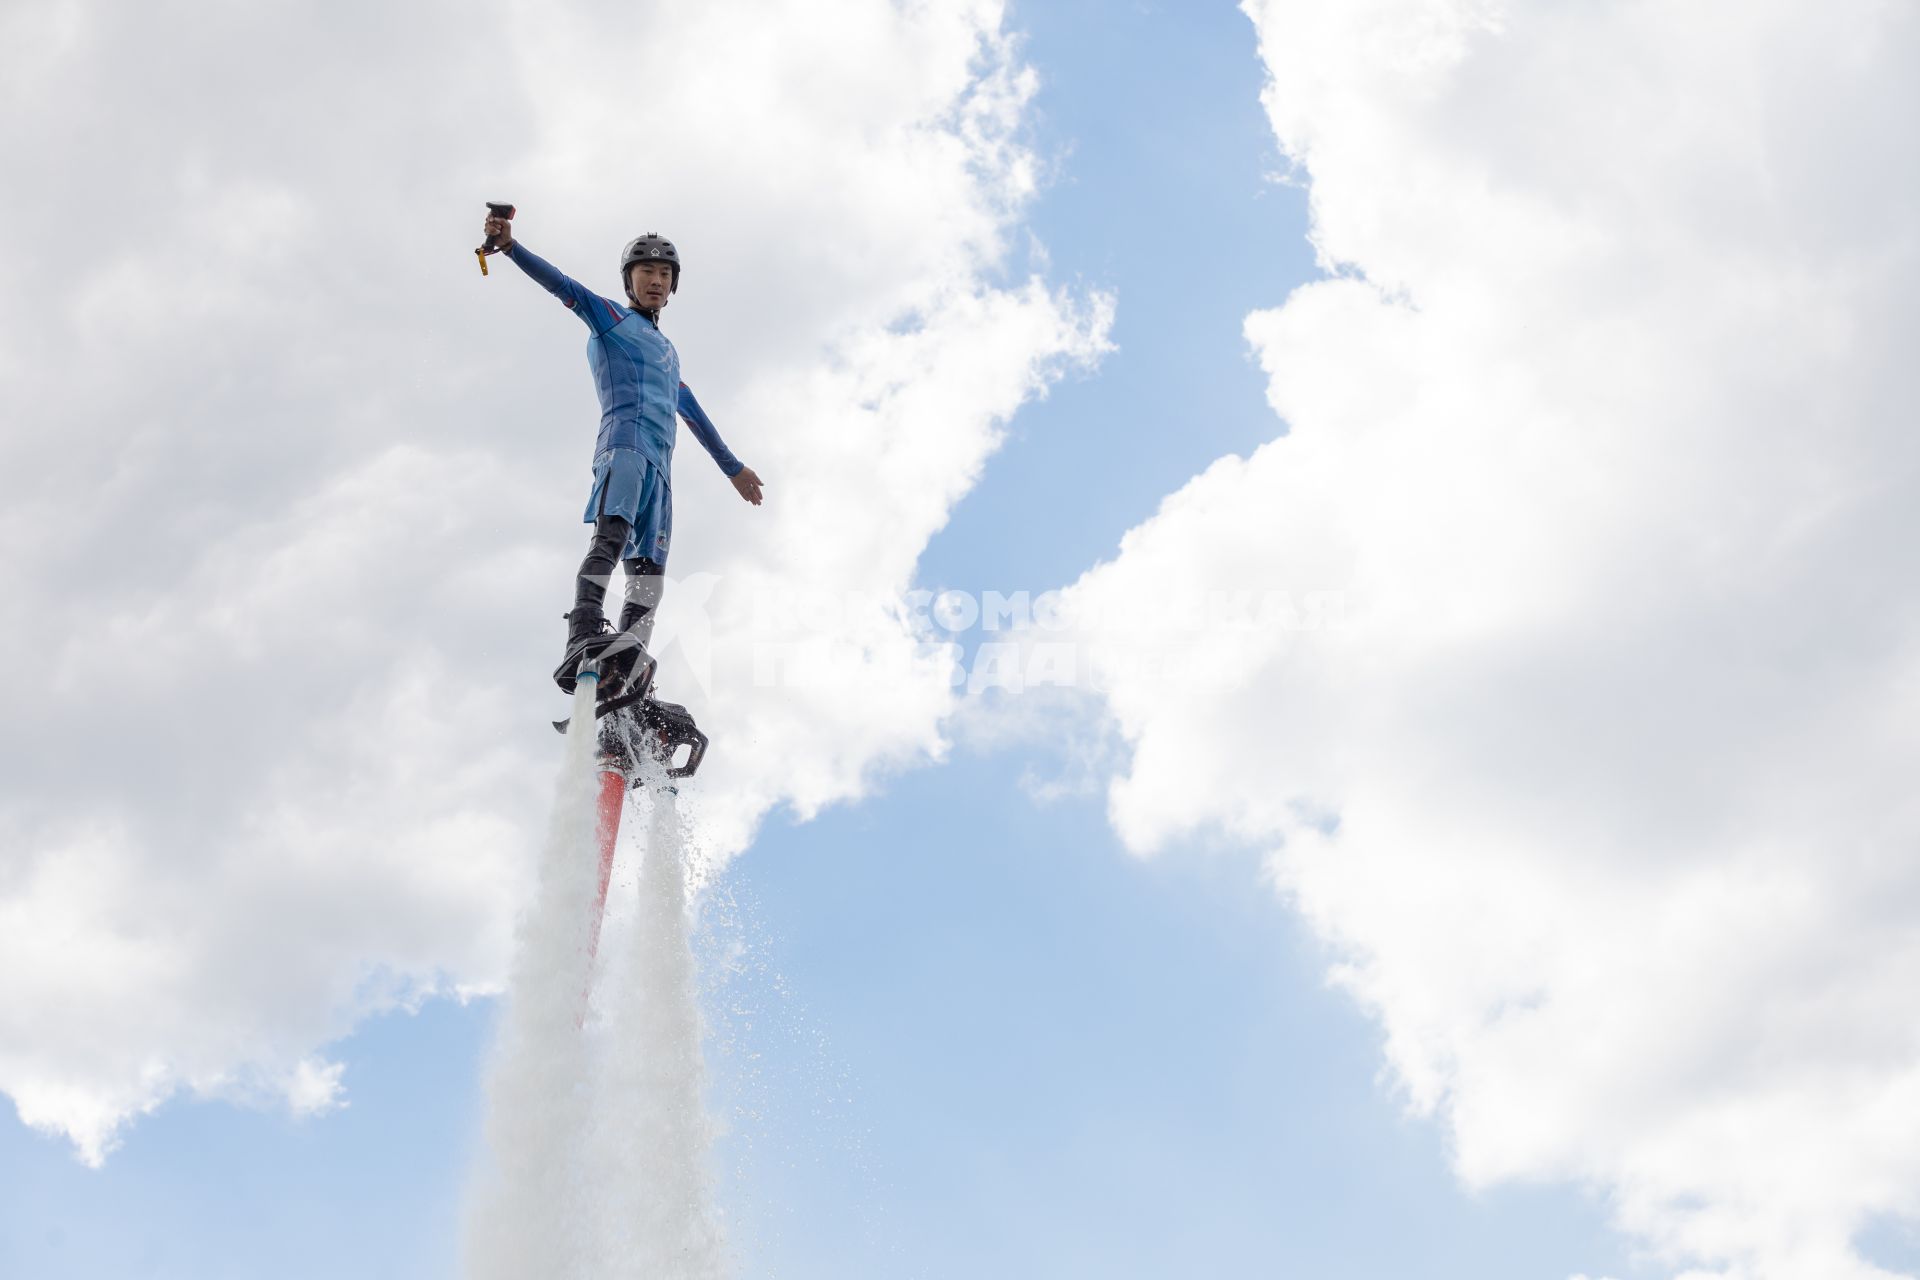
599 313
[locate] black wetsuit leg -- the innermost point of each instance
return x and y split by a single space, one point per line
596 571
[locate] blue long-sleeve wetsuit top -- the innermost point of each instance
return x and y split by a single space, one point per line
635 370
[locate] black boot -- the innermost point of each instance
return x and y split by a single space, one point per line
587 634
625 659
636 620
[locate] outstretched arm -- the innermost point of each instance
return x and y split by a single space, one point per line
599 314
744 480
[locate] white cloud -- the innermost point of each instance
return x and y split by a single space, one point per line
1598 782
291 493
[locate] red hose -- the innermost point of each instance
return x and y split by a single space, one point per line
613 794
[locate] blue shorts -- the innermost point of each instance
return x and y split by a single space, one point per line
628 485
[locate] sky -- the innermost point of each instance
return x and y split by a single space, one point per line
1466 444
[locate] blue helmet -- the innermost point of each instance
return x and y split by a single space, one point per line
649 248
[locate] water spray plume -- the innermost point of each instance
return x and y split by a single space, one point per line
597 1133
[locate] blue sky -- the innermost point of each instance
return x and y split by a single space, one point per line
988 1041
970 1032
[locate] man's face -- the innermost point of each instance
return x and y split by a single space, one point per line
651 282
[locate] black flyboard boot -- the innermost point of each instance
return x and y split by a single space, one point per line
626 668
620 656
587 636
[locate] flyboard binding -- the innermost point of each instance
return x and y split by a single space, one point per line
632 722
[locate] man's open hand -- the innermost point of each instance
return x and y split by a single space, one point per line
748 484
